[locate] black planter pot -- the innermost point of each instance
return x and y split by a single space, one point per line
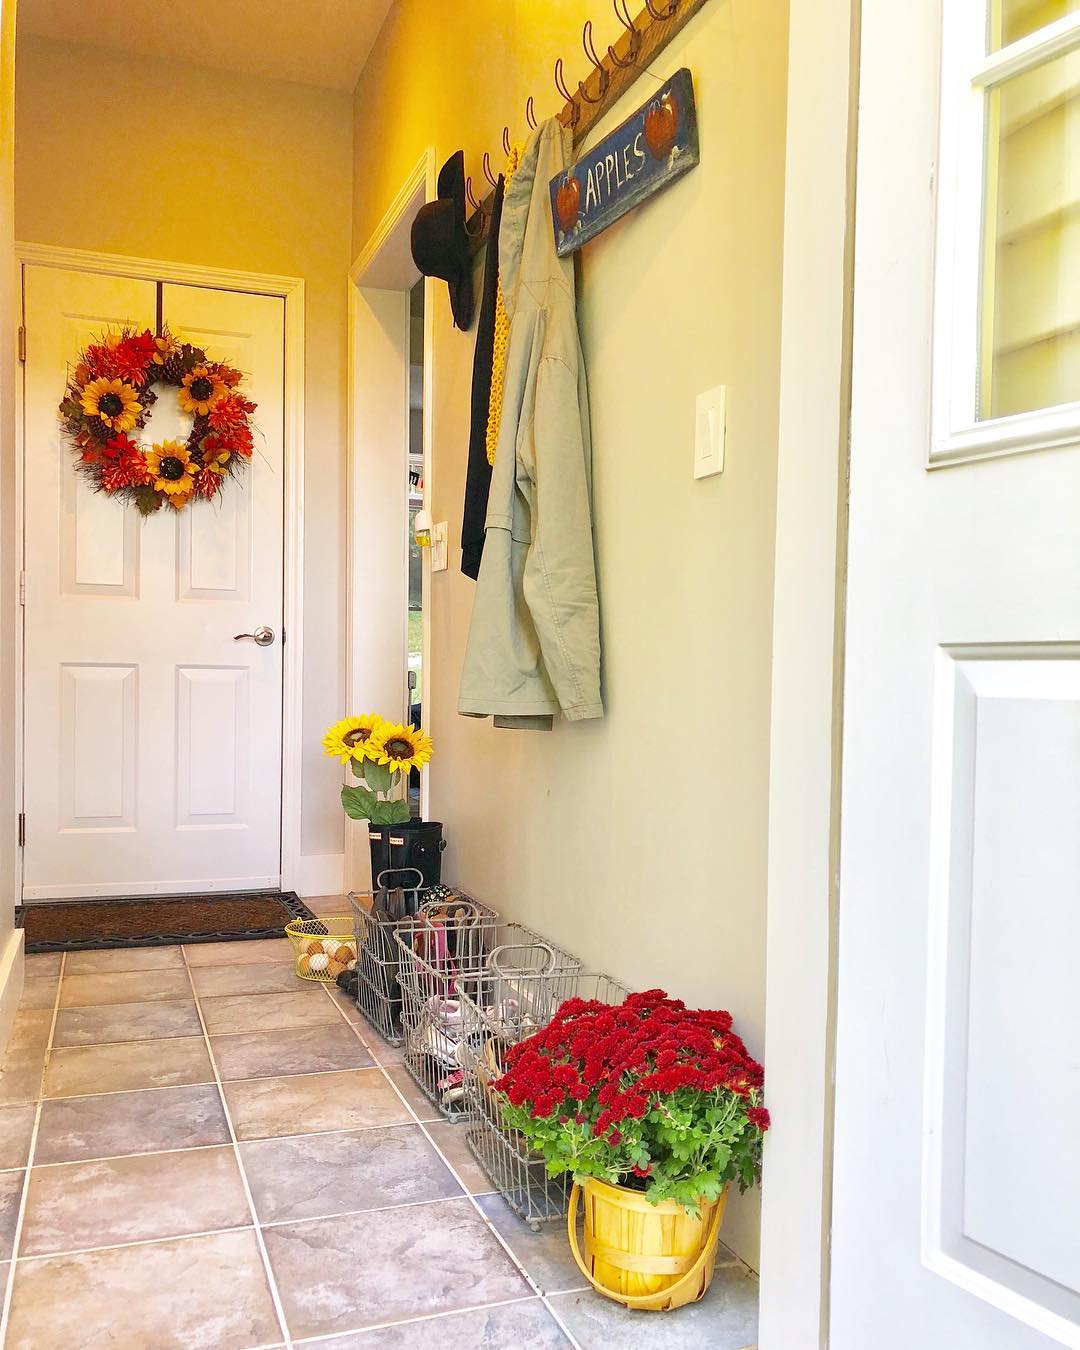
416 844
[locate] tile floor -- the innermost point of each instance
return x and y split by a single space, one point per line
199 1150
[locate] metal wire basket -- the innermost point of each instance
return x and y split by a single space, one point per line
375 918
442 959
510 1007
322 948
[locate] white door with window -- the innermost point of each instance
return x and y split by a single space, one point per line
956 1201
152 727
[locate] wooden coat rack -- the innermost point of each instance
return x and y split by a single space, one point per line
610 76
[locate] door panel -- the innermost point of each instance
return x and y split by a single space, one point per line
153 737
956 1173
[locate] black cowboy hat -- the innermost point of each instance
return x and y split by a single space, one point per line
440 241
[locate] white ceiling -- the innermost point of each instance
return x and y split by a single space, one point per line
318 42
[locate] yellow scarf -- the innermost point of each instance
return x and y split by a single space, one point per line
502 335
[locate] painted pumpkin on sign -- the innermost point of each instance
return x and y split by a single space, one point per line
568 203
661 127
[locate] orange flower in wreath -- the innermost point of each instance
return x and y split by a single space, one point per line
201 389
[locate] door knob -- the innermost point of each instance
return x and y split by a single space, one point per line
263 636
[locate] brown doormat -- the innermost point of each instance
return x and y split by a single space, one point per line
81 925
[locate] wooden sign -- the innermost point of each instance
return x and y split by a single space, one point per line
650 150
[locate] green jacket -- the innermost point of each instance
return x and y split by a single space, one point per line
534 641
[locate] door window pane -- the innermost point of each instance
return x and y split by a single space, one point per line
1031 258
1011 20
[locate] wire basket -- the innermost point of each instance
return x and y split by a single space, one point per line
378 986
511 1008
322 948
442 959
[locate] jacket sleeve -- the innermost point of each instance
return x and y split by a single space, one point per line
560 571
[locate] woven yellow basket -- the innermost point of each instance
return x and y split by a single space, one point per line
323 948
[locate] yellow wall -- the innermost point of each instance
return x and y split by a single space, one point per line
160 159
10 940
639 841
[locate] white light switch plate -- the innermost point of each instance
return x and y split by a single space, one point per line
438 547
710 432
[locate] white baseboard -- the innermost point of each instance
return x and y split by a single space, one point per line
321 874
11 983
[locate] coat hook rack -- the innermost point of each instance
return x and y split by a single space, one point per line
643 39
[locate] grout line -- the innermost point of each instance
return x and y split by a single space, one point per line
199 1082
9 1286
267 1268
472 1199
420 1319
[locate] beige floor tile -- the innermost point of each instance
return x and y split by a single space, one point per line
360 1270
267 1012
11 1188
406 1085
267 977
321 1174
30 1030
450 1138
16 1127
152 1195
132 986
196 1293
126 1022
124 959
275 1054
330 907
78 1070
20 1076
43 963
79 1128
271 1107
39 992
238 953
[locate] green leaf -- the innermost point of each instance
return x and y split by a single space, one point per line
357 766
378 776
399 813
359 803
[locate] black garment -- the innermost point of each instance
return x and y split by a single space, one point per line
478 480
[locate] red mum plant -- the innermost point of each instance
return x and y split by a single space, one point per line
647 1094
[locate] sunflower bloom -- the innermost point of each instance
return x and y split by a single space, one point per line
350 738
399 747
114 402
173 471
201 389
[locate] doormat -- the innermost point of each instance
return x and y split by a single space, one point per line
157 921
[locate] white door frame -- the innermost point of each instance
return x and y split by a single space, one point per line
379 284
291 290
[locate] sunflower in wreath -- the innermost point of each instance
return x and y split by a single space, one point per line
111 391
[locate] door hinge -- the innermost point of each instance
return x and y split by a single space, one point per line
22 588
22 342
22 829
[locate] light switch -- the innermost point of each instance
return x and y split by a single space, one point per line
438 547
711 431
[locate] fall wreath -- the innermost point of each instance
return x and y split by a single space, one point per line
109 395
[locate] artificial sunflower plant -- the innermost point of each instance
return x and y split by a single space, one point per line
380 753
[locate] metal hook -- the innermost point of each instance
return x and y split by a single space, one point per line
565 94
487 170
506 142
661 14
530 113
624 17
478 209
589 48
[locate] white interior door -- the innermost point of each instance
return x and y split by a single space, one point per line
152 736
957 1170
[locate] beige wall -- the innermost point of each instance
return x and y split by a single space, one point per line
163 160
639 841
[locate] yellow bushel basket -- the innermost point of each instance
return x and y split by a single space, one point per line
655 1257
